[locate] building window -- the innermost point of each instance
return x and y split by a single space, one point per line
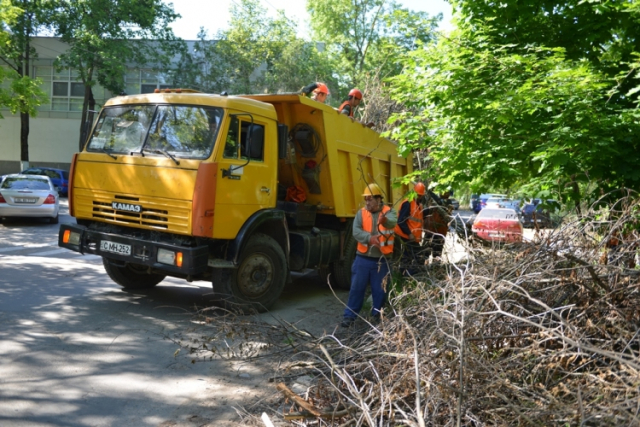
144 81
64 90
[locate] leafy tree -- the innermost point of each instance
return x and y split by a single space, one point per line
519 115
604 32
20 21
257 53
107 36
368 36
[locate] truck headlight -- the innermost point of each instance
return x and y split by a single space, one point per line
71 237
166 256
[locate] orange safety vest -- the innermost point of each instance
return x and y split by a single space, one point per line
342 106
385 236
415 221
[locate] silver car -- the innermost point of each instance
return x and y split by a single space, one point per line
28 196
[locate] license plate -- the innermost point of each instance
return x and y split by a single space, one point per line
25 200
496 235
116 248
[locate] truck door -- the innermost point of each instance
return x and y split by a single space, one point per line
247 173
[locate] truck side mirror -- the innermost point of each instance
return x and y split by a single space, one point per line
255 142
283 136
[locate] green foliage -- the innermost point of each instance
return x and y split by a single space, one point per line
504 111
367 37
23 94
104 36
256 54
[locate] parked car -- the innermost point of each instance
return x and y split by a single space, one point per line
28 196
59 177
537 212
482 200
498 225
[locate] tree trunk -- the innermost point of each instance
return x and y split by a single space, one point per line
24 115
24 137
86 120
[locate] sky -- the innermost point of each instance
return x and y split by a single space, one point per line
213 15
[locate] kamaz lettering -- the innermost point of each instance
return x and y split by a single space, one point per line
126 207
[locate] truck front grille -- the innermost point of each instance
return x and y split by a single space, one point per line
156 218
156 213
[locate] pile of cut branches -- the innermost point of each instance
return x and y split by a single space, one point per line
540 333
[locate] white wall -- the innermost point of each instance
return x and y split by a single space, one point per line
51 140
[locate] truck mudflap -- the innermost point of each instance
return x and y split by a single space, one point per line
160 256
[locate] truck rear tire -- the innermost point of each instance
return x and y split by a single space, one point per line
132 276
341 269
259 279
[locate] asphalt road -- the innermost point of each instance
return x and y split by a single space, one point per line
77 350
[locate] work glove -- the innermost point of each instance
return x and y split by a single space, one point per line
373 241
411 238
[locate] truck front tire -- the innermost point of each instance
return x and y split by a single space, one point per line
259 279
131 276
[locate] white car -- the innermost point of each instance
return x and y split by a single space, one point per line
32 196
494 202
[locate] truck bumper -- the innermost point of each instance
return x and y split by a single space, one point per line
160 256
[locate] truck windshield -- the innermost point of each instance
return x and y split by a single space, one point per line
181 130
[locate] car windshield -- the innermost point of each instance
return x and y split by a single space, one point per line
498 214
25 183
47 172
182 131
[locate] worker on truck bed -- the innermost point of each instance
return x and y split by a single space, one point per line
349 106
409 229
319 91
373 230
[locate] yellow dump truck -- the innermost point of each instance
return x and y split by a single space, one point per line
236 190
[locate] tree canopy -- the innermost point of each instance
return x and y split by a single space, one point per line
106 36
367 38
258 53
504 104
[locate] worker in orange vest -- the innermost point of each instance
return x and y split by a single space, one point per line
373 230
349 106
319 91
410 227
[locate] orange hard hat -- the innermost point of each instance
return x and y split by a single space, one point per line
322 88
372 190
419 188
355 93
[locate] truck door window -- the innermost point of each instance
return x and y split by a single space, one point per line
237 137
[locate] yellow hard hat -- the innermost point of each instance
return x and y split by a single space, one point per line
372 190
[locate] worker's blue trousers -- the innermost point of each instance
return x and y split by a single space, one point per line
365 271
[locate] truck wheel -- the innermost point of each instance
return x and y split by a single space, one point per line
259 279
341 269
132 276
